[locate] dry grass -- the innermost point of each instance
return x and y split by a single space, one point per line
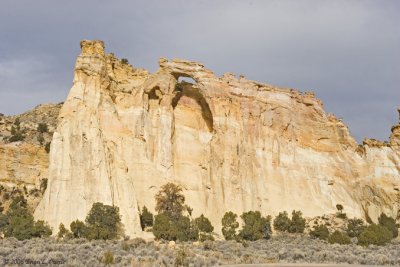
284 248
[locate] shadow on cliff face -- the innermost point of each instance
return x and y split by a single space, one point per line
155 94
190 90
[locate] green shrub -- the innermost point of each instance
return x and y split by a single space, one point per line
13 130
162 228
170 224
229 225
255 226
17 134
185 230
203 224
298 223
205 228
170 201
17 137
40 139
340 214
181 229
42 128
338 237
320 232
124 61
146 218
17 122
19 222
63 232
375 234
78 229
282 222
47 147
42 229
108 258
3 222
20 225
103 222
18 204
389 223
355 227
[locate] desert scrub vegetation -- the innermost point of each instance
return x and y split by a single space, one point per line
283 223
42 128
146 218
389 223
171 223
102 222
17 134
338 237
255 226
355 227
340 213
229 225
375 234
284 248
124 61
18 221
320 231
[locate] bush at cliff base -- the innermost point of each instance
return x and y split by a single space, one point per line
320 232
103 222
18 222
389 223
181 228
282 222
255 226
375 234
338 237
355 227
229 225
298 223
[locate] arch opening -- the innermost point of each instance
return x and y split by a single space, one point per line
155 93
188 91
186 79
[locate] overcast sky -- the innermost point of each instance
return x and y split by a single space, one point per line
347 52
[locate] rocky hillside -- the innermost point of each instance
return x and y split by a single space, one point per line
24 160
29 123
233 144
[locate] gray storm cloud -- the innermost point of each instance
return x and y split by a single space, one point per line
347 52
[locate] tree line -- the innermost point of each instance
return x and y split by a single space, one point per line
174 222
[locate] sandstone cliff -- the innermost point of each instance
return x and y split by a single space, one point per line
24 164
233 144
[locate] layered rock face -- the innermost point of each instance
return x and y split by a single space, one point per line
24 164
233 145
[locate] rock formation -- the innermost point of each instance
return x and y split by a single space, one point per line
233 144
24 164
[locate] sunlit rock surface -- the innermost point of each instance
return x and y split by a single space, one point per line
233 145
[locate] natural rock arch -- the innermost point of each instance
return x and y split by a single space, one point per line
185 89
192 134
